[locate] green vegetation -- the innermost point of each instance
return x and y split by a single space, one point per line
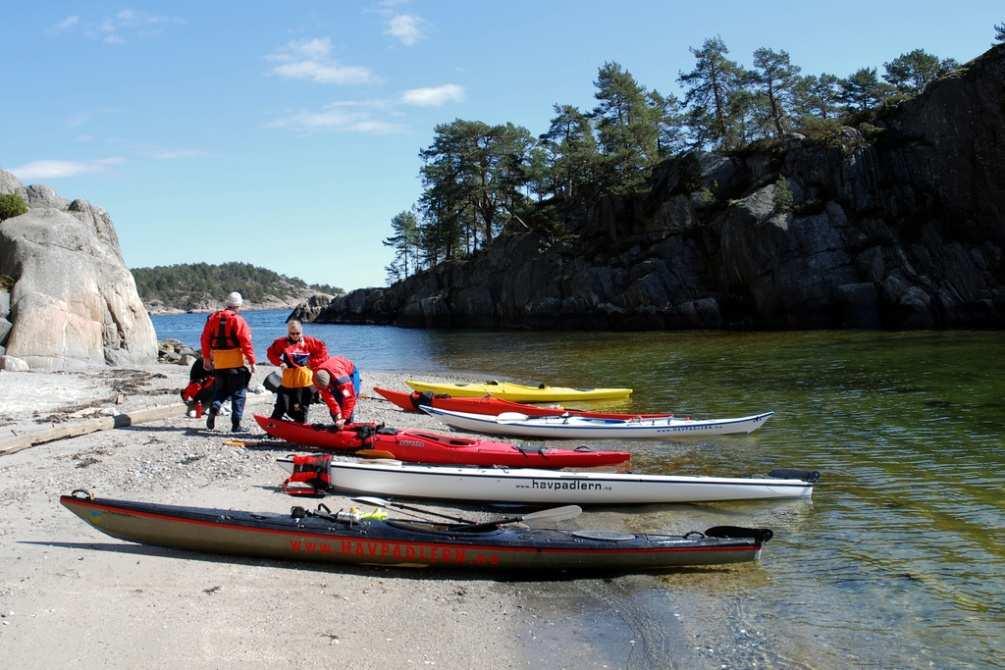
783 199
480 180
999 32
11 205
189 285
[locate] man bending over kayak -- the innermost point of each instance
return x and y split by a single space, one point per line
296 354
338 381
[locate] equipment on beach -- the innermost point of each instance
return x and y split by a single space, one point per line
519 392
426 446
552 514
350 537
524 485
273 382
579 427
411 402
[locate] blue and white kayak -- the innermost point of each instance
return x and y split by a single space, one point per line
578 427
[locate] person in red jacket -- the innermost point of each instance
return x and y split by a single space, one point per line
227 351
338 381
297 354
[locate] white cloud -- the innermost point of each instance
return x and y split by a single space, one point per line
171 154
433 96
344 116
115 29
311 59
56 169
406 28
69 23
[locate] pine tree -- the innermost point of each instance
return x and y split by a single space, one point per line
777 79
912 71
818 96
999 33
405 243
862 90
627 127
710 87
571 151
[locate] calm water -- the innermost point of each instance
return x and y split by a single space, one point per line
900 559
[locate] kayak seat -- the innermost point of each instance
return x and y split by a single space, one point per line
790 473
582 447
759 535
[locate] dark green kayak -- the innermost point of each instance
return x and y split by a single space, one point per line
345 538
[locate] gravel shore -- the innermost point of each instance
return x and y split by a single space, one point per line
72 596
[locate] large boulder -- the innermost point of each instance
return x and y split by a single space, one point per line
73 302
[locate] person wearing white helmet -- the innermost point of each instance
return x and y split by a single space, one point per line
228 352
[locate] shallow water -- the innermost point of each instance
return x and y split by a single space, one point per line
899 561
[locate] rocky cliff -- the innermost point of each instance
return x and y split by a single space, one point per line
67 299
898 223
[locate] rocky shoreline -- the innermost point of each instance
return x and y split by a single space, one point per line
898 224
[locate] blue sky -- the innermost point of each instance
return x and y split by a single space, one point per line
286 134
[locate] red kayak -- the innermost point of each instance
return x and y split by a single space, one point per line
425 446
494 406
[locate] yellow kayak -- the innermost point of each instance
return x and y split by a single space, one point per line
518 392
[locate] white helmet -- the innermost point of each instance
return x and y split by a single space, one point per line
234 299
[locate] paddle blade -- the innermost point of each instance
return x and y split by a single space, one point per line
563 513
374 453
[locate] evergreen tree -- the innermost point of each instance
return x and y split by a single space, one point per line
671 132
862 90
710 88
627 127
912 71
818 95
777 79
999 33
405 243
571 152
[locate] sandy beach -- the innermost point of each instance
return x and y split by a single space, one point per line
91 601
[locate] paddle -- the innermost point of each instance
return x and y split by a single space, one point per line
380 502
374 453
551 514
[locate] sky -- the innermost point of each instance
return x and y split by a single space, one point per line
286 134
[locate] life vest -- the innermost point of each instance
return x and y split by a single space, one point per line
225 350
297 375
310 476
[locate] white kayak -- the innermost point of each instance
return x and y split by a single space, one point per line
525 485
579 427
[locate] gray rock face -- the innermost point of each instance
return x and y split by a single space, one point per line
73 302
44 196
309 309
10 184
13 364
906 230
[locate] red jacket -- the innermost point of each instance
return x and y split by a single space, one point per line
341 395
237 334
285 351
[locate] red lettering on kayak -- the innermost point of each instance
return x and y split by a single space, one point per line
385 549
410 551
309 547
294 545
345 547
326 548
397 550
360 549
371 548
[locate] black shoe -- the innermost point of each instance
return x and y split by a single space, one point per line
211 420
236 429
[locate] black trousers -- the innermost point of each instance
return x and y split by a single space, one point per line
293 402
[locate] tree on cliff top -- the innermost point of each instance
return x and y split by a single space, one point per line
627 127
818 96
570 150
863 90
912 71
1000 32
778 81
474 173
11 205
710 91
405 243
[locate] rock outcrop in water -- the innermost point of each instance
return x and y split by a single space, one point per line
899 224
67 296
